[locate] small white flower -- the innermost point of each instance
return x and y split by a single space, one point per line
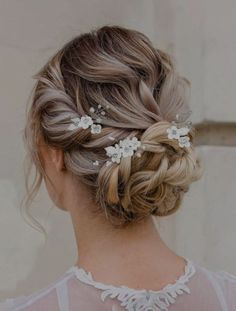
85 122
92 109
96 128
183 131
114 153
173 132
96 163
125 143
129 145
131 142
126 147
184 141
72 127
76 120
135 143
98 120
127 151
75 124
110 150
180 133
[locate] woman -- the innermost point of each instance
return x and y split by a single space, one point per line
108 133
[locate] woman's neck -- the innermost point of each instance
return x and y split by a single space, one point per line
135 255
127 256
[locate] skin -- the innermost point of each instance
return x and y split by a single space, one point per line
135 256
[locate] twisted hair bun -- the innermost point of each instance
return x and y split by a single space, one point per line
118 67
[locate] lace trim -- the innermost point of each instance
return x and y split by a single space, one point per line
141 300
226 276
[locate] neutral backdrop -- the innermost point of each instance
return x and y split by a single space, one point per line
201 36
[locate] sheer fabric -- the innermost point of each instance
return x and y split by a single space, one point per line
197 289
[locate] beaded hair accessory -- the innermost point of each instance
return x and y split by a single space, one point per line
129 146
86 121
180 129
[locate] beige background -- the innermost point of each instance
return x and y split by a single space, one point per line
201 36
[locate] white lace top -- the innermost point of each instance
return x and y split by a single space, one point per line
76 290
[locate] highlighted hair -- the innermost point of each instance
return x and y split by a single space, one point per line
120 67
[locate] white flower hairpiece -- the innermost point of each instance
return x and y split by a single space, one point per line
125 148
179 130
86 121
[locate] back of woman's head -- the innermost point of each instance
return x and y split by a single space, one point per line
141 94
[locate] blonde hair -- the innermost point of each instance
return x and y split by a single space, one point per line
120 67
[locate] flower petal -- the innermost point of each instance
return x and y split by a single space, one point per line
72 127
96 128
75 120
184 130
184 141
173 132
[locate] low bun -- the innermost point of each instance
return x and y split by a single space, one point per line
153 184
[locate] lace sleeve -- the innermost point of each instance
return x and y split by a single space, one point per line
9 304
226 276
228 282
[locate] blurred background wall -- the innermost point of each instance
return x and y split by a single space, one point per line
201 36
